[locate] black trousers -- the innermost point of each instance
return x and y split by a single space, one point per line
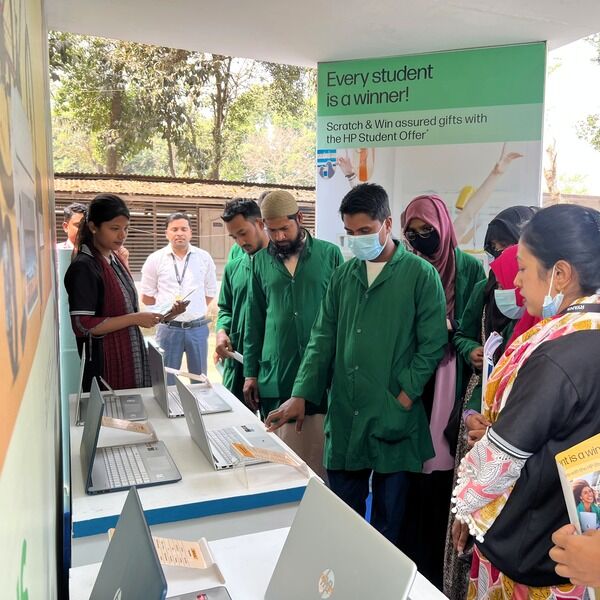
389 493
423 530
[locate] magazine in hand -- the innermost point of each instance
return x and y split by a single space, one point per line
579 473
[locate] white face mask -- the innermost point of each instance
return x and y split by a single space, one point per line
366 247
506 302
551 304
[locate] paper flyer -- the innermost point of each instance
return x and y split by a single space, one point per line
143 427
281 458
183 553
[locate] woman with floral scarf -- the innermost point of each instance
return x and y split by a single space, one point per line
542 398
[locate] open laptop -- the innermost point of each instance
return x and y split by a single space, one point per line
117 468
131 568
167 397
331 551
216 443
588 521
119 406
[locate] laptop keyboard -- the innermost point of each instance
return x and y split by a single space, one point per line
222 440
124 466
113 407
176 402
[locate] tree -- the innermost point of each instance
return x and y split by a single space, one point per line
94 94
169 83
274 123
153 110
551 174
589 128
228 78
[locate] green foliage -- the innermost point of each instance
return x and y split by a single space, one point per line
94 94
573 184
133 108
589 130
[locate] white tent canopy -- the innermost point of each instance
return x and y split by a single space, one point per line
307 32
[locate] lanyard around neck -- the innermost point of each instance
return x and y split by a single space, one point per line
579 308
185 266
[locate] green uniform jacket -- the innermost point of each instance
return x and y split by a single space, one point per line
235 252
281 311
468 337
368 344
232 315
469 272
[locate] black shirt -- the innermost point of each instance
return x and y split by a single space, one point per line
554 404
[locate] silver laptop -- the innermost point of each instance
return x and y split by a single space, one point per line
588 521
131 568
119 406
167 397
117 468
216 443
331 551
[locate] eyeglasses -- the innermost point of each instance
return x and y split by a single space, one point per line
424 233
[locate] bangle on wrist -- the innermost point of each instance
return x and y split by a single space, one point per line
351 175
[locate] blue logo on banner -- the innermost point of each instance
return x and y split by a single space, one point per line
326 163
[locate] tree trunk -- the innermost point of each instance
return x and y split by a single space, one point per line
220 100
171 158
116 111
551 175
170 150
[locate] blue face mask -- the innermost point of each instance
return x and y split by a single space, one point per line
552 305
366 247
506 301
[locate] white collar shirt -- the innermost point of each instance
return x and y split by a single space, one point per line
166 278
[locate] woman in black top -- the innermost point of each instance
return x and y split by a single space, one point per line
542 398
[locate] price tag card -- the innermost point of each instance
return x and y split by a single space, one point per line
136 426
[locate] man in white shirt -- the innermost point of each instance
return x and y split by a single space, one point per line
170 274
73 214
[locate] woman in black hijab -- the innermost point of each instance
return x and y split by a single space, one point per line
505 228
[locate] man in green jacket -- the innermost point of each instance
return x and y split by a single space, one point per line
377 340
236 250
288 282
244 224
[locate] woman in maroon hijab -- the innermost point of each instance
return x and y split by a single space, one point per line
428 228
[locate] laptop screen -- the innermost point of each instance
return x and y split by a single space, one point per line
130 568
157 375
193 418
331 551
80 388
91 430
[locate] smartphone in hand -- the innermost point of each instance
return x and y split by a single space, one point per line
184 300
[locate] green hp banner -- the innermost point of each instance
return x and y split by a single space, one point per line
465 124
483 95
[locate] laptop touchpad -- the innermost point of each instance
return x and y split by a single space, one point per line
158 463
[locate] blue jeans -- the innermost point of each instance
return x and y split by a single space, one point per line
389 496
175 341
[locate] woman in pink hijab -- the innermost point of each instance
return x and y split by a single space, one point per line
428 229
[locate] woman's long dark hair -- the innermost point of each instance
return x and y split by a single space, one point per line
578 487
567 232
104 207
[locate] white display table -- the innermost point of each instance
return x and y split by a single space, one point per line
247 563
205 503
